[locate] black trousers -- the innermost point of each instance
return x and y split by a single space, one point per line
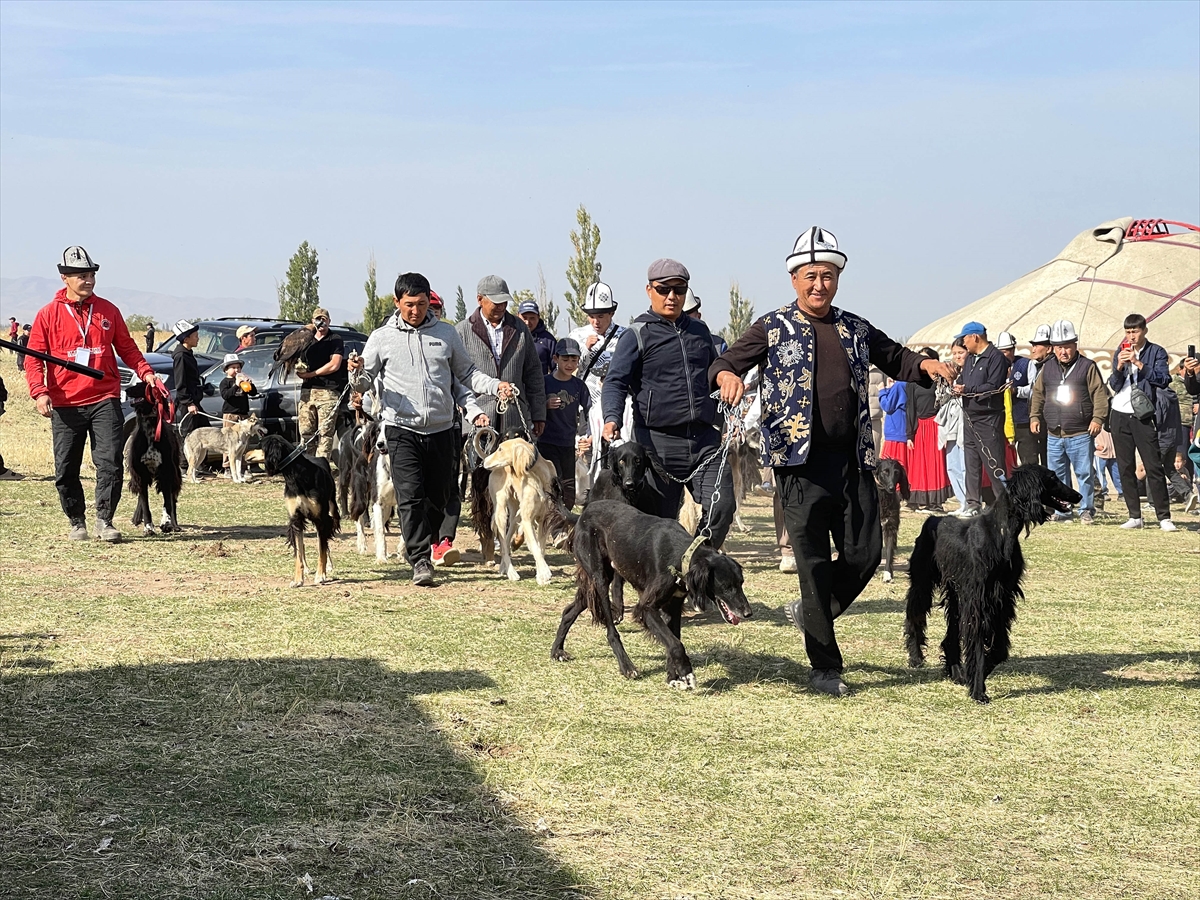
983 444
1031 448
829 496
680 450
1130 433
71 427
564 465
423 477
453 510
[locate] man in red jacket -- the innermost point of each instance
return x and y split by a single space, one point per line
87 329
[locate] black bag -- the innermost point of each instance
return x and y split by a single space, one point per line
1143 408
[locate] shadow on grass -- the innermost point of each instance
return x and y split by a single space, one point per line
244 778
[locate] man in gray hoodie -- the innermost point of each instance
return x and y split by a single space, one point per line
420 370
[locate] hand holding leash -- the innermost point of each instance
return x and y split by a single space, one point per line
732 388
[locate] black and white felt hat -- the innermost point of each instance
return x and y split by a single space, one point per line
599 299
75 261
814 246
692 302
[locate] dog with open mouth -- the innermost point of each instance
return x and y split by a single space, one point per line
664 564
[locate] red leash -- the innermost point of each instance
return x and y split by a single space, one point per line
166 409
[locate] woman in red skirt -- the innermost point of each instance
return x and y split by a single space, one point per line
926 461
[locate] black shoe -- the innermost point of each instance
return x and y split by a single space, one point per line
828 681
423 573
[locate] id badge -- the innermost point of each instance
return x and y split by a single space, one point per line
82 355
1062 394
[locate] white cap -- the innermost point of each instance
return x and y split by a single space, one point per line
814 246
1005 341
599 299
230 359
691 303
1042 335
1062 332
182 327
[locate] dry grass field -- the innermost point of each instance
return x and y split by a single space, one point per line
176 722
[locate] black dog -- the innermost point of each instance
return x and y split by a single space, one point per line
647 551
978 564
890 476
308 491
625 479
152 457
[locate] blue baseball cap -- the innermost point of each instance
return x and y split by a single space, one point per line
971 328
567 347
528 306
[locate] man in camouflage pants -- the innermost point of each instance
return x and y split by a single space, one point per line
324 380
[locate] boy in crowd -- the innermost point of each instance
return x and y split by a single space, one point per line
566 397
236 391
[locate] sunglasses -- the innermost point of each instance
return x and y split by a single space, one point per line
665 290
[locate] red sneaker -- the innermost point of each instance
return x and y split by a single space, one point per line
444 553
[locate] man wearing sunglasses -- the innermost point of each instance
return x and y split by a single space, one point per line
324 380
662 360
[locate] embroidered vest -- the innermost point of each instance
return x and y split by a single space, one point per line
788 376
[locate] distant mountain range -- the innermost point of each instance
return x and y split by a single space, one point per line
23 297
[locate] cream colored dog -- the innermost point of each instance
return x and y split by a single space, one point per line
231 440
520 488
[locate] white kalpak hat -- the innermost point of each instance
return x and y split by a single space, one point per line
1005 341
691 303
599 299
814 246
1042 335
1062 332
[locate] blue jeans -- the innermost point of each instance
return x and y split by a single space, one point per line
1066 453
956 468
1107 467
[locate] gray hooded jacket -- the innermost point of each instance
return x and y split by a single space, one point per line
421 372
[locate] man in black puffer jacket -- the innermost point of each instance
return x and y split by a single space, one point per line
662 360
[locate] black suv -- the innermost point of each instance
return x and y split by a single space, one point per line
278 403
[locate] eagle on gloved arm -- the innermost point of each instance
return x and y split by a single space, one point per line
292 348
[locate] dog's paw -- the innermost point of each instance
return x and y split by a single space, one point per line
981 699
321 579
887 577
148 530
299 583
512 574
956 674
543 578
686 683
915 661
630 672
560 655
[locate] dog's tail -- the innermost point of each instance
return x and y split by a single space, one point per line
587 590
560 524
482 507
923 579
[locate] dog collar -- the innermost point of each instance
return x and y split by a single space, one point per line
292 457
686 562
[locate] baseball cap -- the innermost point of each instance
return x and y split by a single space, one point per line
321 313
435 300
528 306
75 261
494 288
229 360
971 328
666 269
567 347
244 330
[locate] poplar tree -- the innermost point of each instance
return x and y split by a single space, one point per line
581 269
298 292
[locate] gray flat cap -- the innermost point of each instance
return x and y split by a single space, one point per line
666 269
494 288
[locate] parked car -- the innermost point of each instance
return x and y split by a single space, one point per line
219 336
278 395
279 401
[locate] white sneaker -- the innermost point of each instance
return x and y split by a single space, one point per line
1132 523
787 562
1167 525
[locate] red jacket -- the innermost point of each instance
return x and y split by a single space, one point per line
57 331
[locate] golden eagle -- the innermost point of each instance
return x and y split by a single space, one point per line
291 350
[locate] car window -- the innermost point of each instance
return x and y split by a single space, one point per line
216 341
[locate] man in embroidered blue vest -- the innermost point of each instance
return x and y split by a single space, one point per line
662 360
817 436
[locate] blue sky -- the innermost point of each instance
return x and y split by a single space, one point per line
951 148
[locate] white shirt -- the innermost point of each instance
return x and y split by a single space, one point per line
1123 401
496 333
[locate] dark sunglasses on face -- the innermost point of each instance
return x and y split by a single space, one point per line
665 290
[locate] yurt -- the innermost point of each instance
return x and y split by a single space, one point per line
1148 266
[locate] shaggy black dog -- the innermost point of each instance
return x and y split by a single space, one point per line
152 457
978 564
625 479
890 477
647 551
308 491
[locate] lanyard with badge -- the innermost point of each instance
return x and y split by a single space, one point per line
1062 394
83 353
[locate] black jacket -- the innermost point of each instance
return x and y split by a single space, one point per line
237 401
986 372
188 388
667 373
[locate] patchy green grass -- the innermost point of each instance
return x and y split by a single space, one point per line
176 722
